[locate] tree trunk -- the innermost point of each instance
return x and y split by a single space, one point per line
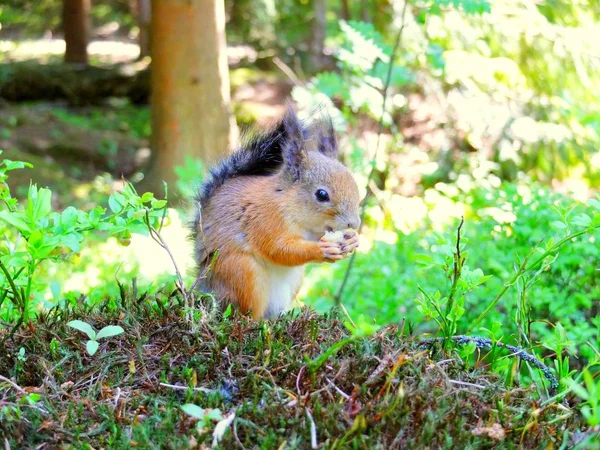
144 16
76 26
365 15
345 10
189 86
319 31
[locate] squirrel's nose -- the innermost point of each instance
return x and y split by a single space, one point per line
354 223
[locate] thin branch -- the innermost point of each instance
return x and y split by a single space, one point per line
18 300
339 391
288 71
338 297
313 430
185 388
13 384
10 281
488 344
466 383
457 270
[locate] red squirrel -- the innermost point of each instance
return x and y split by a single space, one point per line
268 209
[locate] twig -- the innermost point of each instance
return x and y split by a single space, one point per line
237 439
18 300
488 344
313 430
338 297
14 385
339 391
157 237
298 378
185 388
287 70
466 383
456 273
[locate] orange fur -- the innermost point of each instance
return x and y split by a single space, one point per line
267 227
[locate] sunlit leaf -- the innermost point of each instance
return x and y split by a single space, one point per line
109 331
84 327
92 347
193 410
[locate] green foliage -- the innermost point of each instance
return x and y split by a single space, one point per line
33 18
363 60
189 177
122 117
517 278
92 344
468 6
589 392
39 235
205 417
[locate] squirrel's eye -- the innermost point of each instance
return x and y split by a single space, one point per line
322 195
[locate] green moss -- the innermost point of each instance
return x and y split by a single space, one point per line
376 392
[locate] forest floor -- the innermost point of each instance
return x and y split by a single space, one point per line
296 382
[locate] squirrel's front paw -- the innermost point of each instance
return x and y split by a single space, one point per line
332 251
350 242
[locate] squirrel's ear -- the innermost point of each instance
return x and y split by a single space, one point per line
293 149
325 135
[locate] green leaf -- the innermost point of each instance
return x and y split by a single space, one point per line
84 327
71 241
468 6
331 84
12 165
95 214
400 76
56 290
33 398
578 389
42 204
36 239
17 220
158 204
214 414
227 312
68 218
147 196
193 410
108 331
114 204
583 220
559 225
92 347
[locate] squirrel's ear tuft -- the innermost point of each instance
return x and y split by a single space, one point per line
325 135
293 149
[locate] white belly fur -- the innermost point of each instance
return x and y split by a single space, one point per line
282 282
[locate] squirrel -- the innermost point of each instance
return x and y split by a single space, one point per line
268 209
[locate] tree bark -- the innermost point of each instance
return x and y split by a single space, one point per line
319 31
76 27
345 10
365 15
144 17
190 95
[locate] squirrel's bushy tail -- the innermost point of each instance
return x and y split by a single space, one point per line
261 154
